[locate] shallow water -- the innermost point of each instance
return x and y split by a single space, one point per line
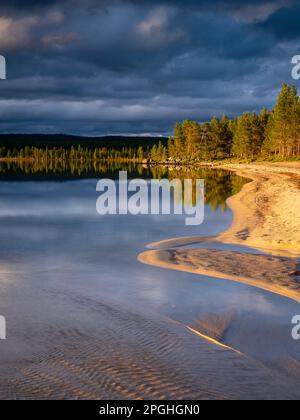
86 320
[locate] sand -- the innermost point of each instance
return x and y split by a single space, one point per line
266 211
131 355
273 274
266 218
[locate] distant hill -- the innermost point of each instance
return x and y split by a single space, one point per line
20 141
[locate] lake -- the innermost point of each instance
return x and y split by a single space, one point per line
85 319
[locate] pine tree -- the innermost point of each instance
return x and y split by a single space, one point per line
242 136
294 139
226 138
257 136
179 141
193 138
283 127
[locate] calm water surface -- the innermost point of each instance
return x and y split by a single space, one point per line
65 272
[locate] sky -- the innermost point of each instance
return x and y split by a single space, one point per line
97 67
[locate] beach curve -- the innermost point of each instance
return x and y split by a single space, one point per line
265 218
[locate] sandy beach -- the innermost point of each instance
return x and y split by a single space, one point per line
265 218
266 211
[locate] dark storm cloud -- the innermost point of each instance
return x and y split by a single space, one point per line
284 23
115 66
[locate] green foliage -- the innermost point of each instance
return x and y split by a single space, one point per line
251 136
283 131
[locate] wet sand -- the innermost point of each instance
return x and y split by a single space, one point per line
266 215
131 356
270 273
266 218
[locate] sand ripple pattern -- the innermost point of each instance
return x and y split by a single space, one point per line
274 274
131 356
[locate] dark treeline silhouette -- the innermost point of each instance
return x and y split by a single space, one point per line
271 134
66 141
48 149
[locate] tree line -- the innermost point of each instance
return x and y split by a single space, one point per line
268 134
75 154
274 133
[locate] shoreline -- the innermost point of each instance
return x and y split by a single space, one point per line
265 218
266 215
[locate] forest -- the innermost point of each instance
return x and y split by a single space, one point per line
270 134
264 135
